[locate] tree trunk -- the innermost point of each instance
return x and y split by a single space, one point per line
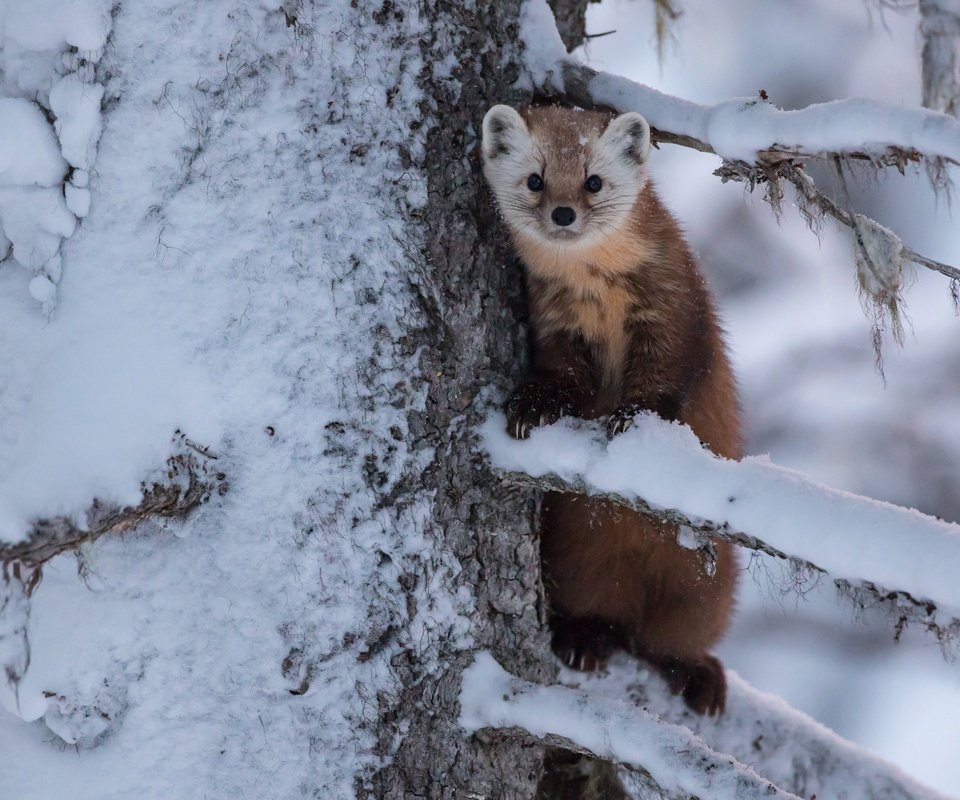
469 289
571 16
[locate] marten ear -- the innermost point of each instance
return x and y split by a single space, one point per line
504 132
629 137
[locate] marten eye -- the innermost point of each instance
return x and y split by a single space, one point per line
535 183
593 184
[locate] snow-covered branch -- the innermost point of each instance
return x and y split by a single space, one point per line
759 747
188 483
676 760
756 131
877 553
757 141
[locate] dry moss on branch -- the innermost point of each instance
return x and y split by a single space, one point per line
190 480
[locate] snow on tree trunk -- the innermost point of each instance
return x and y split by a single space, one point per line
469 296
571 20
289 255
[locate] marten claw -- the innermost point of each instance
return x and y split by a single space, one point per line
619 425
622 419
585 643
582 660
533 405
702 683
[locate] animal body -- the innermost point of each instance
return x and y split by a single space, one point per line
621 322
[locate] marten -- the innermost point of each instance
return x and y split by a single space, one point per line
621 322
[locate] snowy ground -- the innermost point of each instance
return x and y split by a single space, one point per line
801 345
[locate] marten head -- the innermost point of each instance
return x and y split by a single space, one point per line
565 178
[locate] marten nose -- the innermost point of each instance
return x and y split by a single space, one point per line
563 215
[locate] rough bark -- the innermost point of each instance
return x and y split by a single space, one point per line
571 20
469 289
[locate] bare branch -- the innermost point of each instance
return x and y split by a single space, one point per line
571 20
190 479
813 198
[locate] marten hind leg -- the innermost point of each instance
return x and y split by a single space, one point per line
683 618
701 681
585 643
675 637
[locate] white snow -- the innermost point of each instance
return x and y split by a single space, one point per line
36 220
227 282
543 50
665 464
43 290
29 155
77 200
77 108
54 24
677 760
101 390
740 129
37 212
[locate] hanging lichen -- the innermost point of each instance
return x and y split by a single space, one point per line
880 259
666 12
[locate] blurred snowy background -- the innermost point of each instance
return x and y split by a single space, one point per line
801 343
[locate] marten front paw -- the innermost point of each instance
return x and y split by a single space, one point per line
621 419
701 681
585 643
665 406
533 404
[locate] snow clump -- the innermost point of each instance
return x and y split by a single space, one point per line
48 53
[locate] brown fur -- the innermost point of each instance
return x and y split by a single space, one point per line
624 326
